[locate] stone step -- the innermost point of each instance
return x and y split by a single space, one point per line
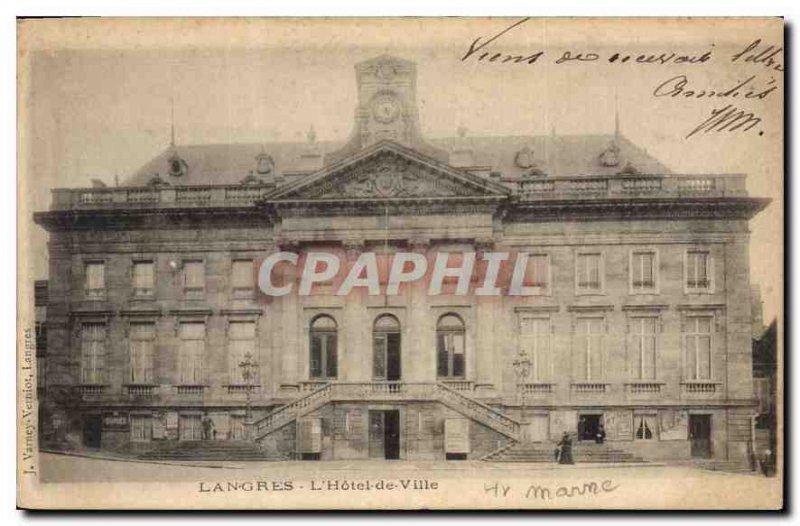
208 450
539 452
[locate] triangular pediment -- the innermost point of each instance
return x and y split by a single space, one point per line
388 170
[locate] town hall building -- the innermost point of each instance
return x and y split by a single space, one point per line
630 312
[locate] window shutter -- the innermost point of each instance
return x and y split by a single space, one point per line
332 356
441 355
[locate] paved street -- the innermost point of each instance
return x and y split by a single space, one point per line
65 468
357 484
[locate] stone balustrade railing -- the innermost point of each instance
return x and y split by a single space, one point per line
530 189
699 386
481 412
536 388
157 196
627 186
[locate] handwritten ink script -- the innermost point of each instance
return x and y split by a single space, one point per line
537 491
751 88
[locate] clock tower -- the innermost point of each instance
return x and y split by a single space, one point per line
387 108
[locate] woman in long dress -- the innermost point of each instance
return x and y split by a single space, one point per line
566 450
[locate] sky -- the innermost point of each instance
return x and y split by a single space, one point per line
96 97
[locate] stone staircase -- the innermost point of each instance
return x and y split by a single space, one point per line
387 392
482 413
228 450
544 452
292 411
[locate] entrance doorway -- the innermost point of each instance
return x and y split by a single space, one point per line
92 430
588 425
700 435
384 434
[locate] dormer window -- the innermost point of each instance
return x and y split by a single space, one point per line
610 157
176 166
264 164
524 158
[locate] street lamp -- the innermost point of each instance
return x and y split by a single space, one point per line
522 368
249 373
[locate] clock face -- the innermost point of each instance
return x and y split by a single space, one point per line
385 109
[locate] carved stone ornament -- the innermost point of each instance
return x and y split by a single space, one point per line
250 179
535 171
610 156
157 181
629 169
387 177
386 108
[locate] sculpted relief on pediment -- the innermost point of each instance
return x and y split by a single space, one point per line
386 178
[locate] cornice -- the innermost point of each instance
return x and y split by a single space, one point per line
670 208
150 218
512 209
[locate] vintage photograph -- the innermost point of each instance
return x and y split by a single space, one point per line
400 263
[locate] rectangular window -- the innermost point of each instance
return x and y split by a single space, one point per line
192 353
190 427
95 279
643 353
698 271
537 273
697 339
536 343
645 426
589 273
591 358
386 356
194 279
643 271
144 279
93 353
141 428
41 372
323 355
242 342
242 278
142 346
450 354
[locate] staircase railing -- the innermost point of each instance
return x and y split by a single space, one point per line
388 391
480 412
285 414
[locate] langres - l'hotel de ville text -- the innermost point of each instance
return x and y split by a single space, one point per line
636 315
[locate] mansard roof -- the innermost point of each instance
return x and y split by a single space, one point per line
553 155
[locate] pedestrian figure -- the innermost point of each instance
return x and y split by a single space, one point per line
566 449
600 437
207 425
766 463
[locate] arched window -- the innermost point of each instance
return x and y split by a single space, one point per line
450 339
323 348
386 348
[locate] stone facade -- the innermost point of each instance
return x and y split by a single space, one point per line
638 315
